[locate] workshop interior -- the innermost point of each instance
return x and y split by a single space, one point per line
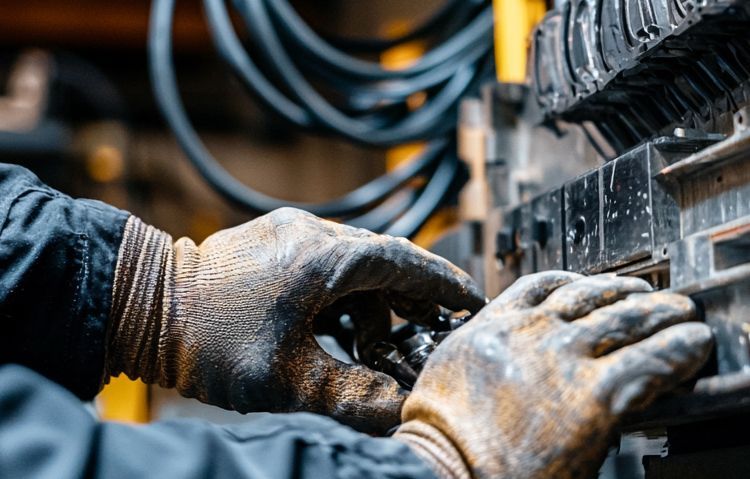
508 136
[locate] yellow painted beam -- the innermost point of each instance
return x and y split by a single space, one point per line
514 20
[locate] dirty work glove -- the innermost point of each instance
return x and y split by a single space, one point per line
230 321
534 385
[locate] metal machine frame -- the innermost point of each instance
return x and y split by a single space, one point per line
629 153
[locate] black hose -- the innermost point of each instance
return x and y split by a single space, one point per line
433 25
169 101
309 43
436 191
419 125
232 52
353 98
379 218
370 95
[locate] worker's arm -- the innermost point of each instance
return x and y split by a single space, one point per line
89 292
46 433
57 262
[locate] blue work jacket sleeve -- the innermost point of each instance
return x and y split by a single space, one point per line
46 433
57 261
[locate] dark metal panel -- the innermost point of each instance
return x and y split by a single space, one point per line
547 230
627 208
728 463
524 223
582 227
690 261
727 311
714 268
716 196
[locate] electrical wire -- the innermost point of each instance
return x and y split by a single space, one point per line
317 85
301 36
382 216
436 22
163 78
429 201
419 125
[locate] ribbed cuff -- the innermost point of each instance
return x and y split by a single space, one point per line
140 302
434 448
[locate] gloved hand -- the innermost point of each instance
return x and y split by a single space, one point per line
534 385
230 322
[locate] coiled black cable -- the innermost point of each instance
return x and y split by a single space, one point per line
373 111
437 22
293 29
418 125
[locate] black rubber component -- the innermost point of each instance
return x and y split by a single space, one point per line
434 25
368 104
638 69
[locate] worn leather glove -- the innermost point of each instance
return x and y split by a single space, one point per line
230 322
534 385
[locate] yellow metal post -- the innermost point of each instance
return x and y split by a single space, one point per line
514 20
124 400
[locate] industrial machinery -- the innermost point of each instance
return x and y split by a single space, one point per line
629 152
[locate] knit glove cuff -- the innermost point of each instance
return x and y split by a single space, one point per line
434 448
140 304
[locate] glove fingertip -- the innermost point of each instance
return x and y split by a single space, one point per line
697 336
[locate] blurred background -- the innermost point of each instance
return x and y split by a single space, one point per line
79 110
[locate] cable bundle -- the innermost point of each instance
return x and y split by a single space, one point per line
352 97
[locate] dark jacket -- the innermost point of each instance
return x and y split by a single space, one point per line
57 261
